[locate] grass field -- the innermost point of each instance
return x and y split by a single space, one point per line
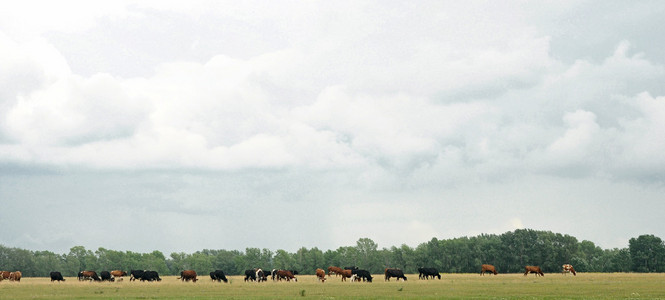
510 286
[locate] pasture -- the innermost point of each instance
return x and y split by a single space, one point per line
553 285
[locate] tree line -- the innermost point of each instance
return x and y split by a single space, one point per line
509 252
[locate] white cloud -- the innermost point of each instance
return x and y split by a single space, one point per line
582 127
447 101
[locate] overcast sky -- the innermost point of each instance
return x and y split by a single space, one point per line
190 125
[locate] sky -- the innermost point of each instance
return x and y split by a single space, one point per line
180 126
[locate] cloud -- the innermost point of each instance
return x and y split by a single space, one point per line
425 117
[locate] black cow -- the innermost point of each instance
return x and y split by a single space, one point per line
56 276
351 268
362 274
218 275
250 275
106 276
394 273
135 274
425 273
266 274
150 276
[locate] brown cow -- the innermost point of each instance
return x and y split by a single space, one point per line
568 268
346 274
188 275
334 270
285 274
487 268
533 269
88 275
15 276
4 275
118 273
321 275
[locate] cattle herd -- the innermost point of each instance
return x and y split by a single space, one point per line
352 273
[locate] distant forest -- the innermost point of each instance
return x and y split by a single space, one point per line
509 252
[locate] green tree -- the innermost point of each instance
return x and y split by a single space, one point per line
284 260
367 255
647 253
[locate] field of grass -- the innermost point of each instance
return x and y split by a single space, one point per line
582 286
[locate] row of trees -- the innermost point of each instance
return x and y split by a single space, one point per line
509 252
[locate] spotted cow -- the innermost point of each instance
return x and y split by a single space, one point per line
568 268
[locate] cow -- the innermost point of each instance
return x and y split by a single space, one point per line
106 276
56 276
362 274
389 272
188 275
346 274
250 275
533 269
425 273
4 275
135 274
118 273
568 268
321 275
351 268
88 275
286 274
266 274
15 276
260 275
334 270
487 268
218 275
150 276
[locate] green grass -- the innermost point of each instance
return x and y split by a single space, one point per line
509 286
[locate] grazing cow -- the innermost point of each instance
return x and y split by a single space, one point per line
533 269
135 274
4 275
351 268
188 275
260 275
55 275
286 274
568 268
362 274
118 273
218 275
394 273
106 276
425 273
267 274
346 274
487 268
250 275
334 270
150 276
88 275
321 275
15 276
